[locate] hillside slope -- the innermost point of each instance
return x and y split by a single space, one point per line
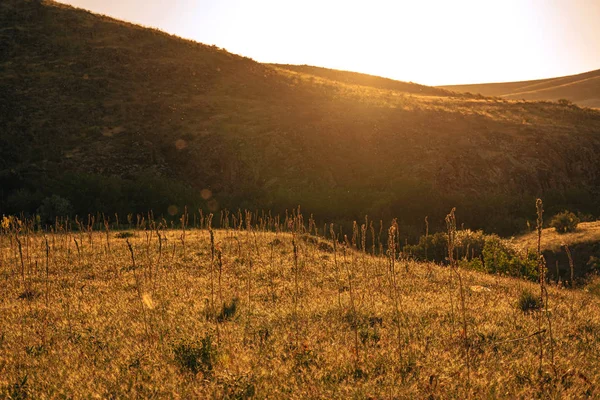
114 117
355 78
581 89
583 244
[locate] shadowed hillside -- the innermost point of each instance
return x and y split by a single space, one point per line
582 89
118 118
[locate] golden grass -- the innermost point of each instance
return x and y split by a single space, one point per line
552 240
91 326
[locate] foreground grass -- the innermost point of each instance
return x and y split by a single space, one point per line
81 318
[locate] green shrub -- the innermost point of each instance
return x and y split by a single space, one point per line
430 248
565 222
434 247
499 258
469 244
528 301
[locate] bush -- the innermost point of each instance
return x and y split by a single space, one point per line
196 357
228 310
565 222
124 235
565 102
528 301
469 244
498 258
430 248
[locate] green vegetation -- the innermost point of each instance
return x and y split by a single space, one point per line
475 250
116 118
565 222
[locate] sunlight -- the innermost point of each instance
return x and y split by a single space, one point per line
430 42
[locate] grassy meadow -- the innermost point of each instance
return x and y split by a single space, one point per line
276 309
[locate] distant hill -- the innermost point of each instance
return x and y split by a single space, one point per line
114 117
582 89
584 245
377 82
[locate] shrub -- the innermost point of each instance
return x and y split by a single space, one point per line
565 102
498 258
124 235
430 248
228 310
528 301
565 222
469 244
196 357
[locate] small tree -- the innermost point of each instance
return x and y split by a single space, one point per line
565 222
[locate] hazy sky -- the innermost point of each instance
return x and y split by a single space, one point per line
431 42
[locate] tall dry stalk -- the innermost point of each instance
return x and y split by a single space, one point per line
355 318
572 268
334 242
392 251
539 205
213 311
451 225
138 286
296 288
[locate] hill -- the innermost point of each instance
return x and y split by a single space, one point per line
581 89
583 244
275 315
113 117
377 82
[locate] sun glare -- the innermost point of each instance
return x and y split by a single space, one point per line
429 41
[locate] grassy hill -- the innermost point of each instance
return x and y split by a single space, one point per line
253 314
377 82
581 89
584 245
115 117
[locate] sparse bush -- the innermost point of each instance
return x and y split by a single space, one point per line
19 390
565 102
195 357
228 310
124 235
528 301
565 222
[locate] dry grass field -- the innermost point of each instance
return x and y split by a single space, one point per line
285 313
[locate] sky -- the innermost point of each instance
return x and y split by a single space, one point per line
432 42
